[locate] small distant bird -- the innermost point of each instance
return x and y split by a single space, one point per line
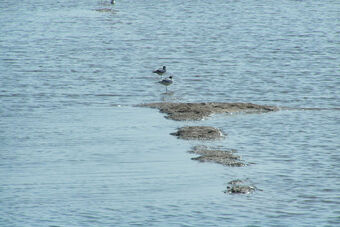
166 82
113 1
160 71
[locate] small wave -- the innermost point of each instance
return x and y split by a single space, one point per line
11 95
107 95
106 10
310 108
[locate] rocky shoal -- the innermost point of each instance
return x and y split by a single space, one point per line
198 133
224 157
198 111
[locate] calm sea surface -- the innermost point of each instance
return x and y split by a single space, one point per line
75 151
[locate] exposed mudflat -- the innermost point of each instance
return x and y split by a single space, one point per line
198 133
224 157
198 111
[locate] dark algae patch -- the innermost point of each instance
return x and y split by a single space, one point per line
198 111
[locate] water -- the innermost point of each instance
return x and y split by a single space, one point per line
76 152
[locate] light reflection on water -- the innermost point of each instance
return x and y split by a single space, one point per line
76 152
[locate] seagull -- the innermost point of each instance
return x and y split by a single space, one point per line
166 82
160 71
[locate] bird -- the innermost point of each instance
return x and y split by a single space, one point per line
113 2
160 71
166 82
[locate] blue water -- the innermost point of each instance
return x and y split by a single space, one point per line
75 151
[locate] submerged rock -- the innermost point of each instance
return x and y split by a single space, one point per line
237 181
198 133
197 111
238 187
224 160
227 158
242 189
104 10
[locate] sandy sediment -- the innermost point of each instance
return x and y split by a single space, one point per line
198 111
198 133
